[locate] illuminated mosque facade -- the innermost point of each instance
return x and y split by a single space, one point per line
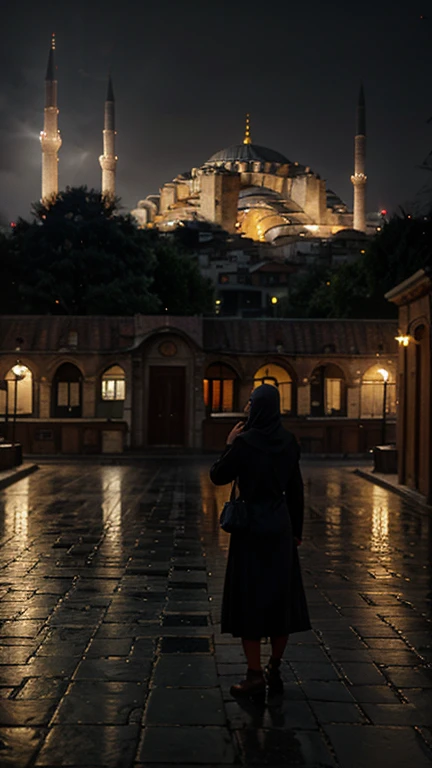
260 194
245 189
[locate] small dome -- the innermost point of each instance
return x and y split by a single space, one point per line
248 153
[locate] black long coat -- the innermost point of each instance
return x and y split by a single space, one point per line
263 593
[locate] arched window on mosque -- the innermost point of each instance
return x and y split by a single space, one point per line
328 391
220 388
372 392
67 392
280 378
19 385
113 384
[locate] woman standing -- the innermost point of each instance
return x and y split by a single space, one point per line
263 593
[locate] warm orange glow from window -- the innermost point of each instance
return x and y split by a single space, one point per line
206 392
219 388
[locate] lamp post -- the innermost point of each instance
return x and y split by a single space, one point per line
385 375
19 371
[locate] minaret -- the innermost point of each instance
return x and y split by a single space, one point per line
359 177
108 160
50 136
247 137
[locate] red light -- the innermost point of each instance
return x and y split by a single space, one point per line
13 224
383 212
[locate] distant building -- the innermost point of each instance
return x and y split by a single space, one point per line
91 385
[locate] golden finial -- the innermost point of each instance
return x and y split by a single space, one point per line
247 137
53 41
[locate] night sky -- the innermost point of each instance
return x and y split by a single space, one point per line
186 72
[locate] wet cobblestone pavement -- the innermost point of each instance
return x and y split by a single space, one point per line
110 651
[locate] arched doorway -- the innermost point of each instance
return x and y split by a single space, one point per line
280 378
167 392
328 391
166 406
67 392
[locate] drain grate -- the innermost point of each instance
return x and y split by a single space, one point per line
184 620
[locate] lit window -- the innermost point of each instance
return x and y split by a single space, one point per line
280 378
219 389
372 394
68 394
114 384
24 393
333 395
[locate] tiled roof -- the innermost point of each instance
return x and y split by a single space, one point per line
50 333
301 337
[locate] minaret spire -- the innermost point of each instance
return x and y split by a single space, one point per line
50 136
108 160
359 177
247 136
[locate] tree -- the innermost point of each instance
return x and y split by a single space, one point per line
403 247
9 271
79 255
179 283
358 290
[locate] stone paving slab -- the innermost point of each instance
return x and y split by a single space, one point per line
110 646
207 745
357 747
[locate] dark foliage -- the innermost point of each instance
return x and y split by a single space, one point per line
80 256
358 290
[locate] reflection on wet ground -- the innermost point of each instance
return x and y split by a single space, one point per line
110 589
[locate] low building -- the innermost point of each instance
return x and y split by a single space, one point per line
414 422
105 384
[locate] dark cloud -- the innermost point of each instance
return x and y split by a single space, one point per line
186 72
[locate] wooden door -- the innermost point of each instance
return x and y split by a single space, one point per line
70 439
166 406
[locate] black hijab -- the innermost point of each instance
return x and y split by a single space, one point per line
263 429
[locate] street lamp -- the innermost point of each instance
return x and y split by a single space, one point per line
19 371
274 302
385 375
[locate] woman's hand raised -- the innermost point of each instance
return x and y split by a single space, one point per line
235 432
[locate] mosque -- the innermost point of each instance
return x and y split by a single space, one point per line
245 189
90 385
260 194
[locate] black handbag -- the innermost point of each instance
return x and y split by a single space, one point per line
234 516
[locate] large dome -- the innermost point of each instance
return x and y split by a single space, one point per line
248 152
